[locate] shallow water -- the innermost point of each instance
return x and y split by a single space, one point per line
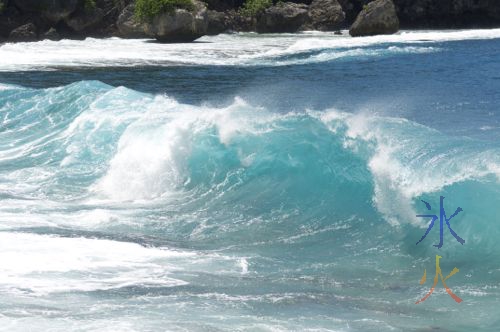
249 182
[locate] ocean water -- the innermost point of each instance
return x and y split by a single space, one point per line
249 183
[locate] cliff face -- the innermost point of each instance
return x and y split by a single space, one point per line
448 13
98 18
71 18
436 13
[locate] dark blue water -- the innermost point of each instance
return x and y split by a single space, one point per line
459 81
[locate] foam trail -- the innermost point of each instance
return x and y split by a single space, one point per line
41 264
403 37
80 264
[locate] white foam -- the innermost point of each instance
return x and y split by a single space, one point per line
409 160
45 264
7 87
41 264
404 37
357 53
116 108
152 155
227 50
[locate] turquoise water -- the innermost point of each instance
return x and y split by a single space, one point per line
249 183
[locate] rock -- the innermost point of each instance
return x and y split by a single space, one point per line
51 34
128 26
378 17
180 26
24 33
222 5
122 4
85 18
10 19
495 13
326 15
283 17
349 8
111 10
449 13
240 22
52 10
218 22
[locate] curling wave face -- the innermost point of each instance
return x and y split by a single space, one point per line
118 146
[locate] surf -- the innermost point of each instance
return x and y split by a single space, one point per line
115 146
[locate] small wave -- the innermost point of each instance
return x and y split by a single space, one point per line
404 37
356 53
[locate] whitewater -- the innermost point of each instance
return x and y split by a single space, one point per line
249 182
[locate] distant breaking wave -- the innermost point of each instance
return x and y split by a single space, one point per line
224 50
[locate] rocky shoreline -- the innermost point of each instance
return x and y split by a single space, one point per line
33 20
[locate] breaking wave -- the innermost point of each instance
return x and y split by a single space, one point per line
263 175
242 49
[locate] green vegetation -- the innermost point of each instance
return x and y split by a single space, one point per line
89 4
2 5
253 7
146 10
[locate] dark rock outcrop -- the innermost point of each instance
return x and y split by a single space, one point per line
448 13
10 19
326 15
24 33
128 26
239 22
351 9
85 19
223 5
52 10
180 26
218 22
283 17
121 4
76 19
378 17
51 34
